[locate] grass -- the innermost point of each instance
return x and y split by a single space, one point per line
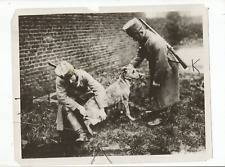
182 131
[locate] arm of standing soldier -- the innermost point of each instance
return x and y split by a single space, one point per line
97 88
64 99
138 59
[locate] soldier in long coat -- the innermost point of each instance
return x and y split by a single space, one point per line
74 87
164 79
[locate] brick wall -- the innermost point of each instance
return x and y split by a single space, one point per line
93 42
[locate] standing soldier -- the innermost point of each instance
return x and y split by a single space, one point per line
74 87
164 79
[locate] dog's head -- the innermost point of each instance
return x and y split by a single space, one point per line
130 72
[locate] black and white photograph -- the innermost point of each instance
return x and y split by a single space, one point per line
121 82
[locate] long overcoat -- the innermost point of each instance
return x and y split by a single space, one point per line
163 70
70 95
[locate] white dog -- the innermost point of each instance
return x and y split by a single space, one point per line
117 92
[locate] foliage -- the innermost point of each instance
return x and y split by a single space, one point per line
173 27
177 29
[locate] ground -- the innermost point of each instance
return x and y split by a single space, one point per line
183 129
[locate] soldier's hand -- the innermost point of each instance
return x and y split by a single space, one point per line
82 110
102 114
127 66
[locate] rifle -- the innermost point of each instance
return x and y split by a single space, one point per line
168 45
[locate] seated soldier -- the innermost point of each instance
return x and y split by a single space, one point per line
73 88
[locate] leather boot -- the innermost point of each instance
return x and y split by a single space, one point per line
77 127
82 136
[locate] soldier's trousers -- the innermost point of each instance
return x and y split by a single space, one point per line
62 113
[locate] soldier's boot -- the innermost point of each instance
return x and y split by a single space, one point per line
159 116
77 127
82 136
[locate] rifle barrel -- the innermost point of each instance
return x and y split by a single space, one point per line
168 45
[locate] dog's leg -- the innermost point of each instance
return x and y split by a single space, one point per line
126 105
87 123
120 107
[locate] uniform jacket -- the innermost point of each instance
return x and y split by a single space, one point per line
163 70
68 93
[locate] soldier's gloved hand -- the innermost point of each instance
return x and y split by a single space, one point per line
130 66
102 114
82 110
127 66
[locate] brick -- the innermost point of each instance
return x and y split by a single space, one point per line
92 41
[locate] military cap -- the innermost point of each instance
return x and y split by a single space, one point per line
132 26
63 68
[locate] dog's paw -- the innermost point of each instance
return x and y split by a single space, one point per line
131 118
93 133
148 112
90 130
155 122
